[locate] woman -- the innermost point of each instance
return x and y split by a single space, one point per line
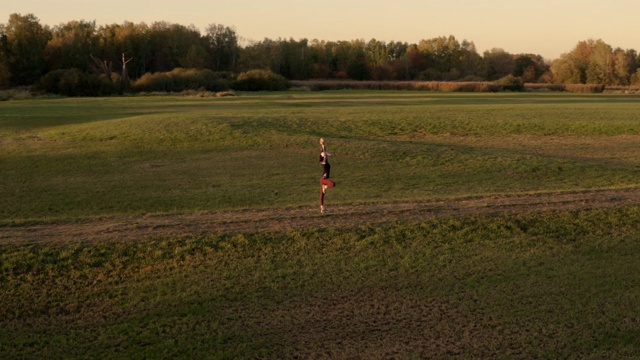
325 182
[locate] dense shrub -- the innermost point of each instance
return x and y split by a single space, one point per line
436 75
544 87
260 80
455 86
5 76
450 86
621 89
181 79
578 88
21 93
584 88
73 82
510 83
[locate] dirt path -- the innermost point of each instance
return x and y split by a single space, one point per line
258 220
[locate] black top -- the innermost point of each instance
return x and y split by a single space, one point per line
326 169
324 161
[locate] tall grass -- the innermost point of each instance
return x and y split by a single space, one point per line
508 83
572 88
68 158
444 86
621 89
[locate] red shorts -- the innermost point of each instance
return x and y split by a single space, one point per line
325 182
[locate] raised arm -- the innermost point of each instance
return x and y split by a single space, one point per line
325 153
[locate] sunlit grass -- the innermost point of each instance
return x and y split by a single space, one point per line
90 157
554 284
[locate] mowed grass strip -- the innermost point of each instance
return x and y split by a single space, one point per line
544 285
71 158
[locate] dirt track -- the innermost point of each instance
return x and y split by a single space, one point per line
258 220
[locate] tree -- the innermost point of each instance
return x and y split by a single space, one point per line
340 55
594 62
443 56
498 64
297 59
5 74
25 42
470 61
572 68
253 56
319 58
222 47
194 58
396 50
376 52
530 67
568 70
379 59
71 46
170 44
131 39
357 67
581 57
635 78
623 66
410 64
634 60
600 64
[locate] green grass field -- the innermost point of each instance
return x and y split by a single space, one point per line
92 157
518 285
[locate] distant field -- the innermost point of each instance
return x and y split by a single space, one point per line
71 158
498 226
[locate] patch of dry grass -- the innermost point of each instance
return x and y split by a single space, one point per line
444 86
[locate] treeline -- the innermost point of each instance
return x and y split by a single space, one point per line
122 57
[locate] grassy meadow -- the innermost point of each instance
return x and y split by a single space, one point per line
70 158
548 284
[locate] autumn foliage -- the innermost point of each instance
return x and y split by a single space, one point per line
172 57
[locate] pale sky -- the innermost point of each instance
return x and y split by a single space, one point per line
545 27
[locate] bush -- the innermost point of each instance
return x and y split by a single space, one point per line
228 93
180 79
622 89
448 86
544 87
457 86
430 75
260 80
510 83
73 82
584 88
20 93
